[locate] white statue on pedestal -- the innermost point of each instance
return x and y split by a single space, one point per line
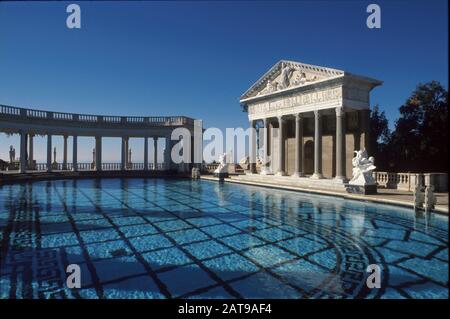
429 198
418 196
12 154
223 165
362 169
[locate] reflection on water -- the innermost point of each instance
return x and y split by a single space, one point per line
200 239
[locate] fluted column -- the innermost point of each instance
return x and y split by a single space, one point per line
298 145
65 153
23 152
252 147
75 153
281 171
155 153
49 153
145 153
340 144
98 153
317 146
31 151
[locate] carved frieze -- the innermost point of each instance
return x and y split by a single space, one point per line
294 100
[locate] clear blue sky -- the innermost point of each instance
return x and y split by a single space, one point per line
196 58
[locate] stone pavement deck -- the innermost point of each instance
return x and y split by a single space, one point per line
385 196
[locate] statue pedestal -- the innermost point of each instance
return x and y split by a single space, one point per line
221 175
362 189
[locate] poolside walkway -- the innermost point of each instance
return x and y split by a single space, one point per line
385 196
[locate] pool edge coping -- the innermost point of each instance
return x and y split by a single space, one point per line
361 198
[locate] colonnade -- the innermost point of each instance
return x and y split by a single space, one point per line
27 153
299 128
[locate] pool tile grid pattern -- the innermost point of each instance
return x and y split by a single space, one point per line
187 243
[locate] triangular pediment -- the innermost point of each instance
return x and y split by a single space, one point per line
288 74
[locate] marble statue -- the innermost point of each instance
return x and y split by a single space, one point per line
418 196
429 198
223 165
285 78
362 169
54 155
129 156
362 181
12 154
244 162
266 170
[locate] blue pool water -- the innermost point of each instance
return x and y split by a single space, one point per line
156 238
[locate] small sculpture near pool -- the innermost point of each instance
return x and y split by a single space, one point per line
362 181
222 170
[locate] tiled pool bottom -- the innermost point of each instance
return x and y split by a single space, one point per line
155 238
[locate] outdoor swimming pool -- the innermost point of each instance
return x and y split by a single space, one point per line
156 238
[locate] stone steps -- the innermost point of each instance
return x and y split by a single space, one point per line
301 182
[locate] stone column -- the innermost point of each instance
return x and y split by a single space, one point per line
64 166
298 145
340 134
49 153
145 153
252 148
365 127
280 146
124 152
23 151
155 153
265 169
317 146
75 153
167 151
31 151
98 153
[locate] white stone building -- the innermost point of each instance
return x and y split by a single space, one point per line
323 115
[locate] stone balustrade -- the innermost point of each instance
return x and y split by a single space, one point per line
407 181
7 111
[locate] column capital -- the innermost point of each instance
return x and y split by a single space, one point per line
299 116
280 118
317 113
340 111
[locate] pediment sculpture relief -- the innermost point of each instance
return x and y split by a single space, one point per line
290 76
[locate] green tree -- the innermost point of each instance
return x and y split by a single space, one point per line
420 139
379 137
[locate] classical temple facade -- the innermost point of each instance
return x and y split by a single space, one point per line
321 113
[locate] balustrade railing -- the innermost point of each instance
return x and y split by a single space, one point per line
408 181
88 118
83 166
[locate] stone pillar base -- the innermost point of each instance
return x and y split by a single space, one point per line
361 189
298 174
266 171
221 175
340 179
280 173
317 176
